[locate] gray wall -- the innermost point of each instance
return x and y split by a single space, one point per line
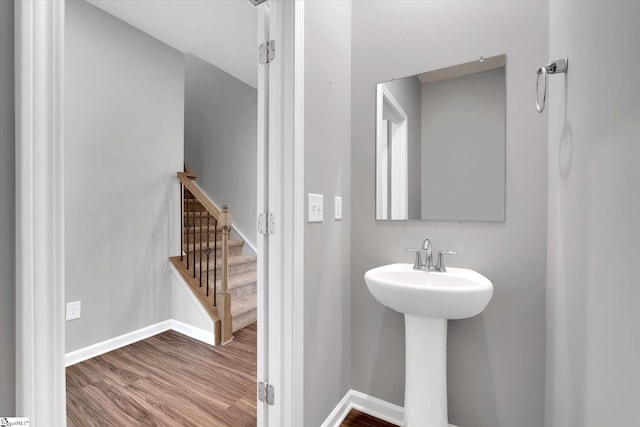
407 92
7 214
463 131
593 346
496 360
124 112
327 165
220 140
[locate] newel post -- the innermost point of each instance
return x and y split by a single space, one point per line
224 297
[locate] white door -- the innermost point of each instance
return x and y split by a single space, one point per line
280 193
263 206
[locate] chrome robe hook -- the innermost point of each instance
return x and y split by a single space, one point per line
555 67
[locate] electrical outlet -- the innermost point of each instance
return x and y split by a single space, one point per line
338 208
315 208
74 310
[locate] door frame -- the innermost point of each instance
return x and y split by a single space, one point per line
284 346
39 102
40 262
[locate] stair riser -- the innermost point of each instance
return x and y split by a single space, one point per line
240 291
244 319
248 316
236 292
233 250
235 269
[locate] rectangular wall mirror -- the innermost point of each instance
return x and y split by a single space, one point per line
440 144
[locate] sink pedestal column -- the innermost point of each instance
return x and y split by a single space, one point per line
425 392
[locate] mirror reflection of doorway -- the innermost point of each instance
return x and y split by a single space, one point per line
391 157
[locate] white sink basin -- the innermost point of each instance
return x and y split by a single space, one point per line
427 300
457 293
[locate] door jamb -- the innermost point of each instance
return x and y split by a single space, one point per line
40 381
39 101
286 202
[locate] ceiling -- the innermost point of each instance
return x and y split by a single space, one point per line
222 32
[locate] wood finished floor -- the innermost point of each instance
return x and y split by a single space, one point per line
360 419
167 380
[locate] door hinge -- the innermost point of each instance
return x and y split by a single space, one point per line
267 51
266 393
266 223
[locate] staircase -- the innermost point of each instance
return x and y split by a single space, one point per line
230 299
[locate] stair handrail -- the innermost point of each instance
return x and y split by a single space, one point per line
222 297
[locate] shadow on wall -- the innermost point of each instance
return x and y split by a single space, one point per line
473 380
391 344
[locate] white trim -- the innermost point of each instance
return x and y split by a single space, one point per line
340 412
261 203
297 285
277 355
39 61
386 411
115 343
370 405
284 259
106 346
198 334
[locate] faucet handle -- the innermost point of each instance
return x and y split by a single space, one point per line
440 265
417 264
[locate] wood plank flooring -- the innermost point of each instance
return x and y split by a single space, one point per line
167 380
360 419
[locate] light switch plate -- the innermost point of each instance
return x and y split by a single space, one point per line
338 207
315 208
74 309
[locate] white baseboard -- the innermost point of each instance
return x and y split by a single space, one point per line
202 335
103 347
114 343
370 405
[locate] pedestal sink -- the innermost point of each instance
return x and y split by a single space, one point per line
428 299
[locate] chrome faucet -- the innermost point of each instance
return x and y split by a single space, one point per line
427 265
428 261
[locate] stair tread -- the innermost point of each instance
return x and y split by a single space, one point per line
242 279
242 259
243 304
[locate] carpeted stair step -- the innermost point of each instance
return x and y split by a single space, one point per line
242 284
234 245
243 311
